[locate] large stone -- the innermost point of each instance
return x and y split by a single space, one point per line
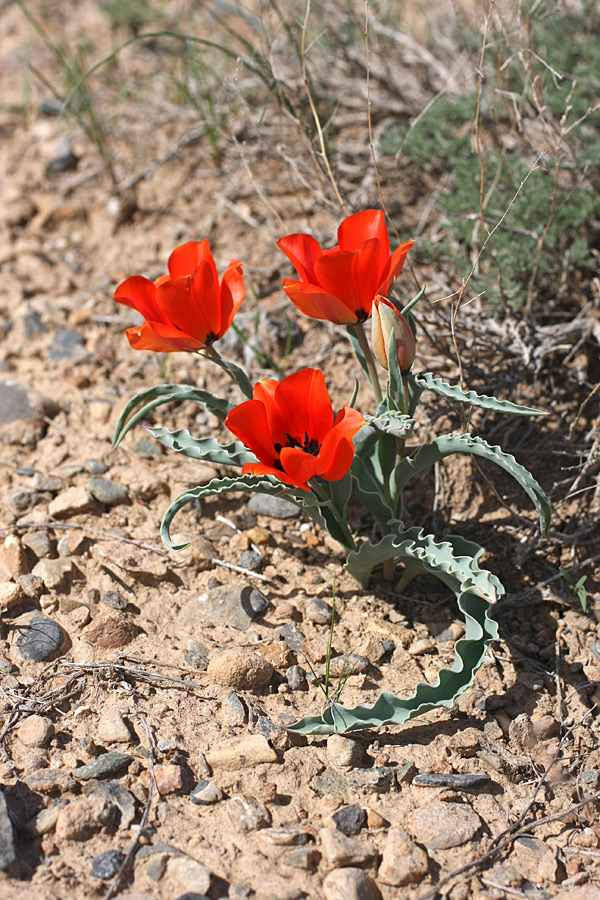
35 731
241 669
444 825
53 572
241 753
23 412
225 605
38 638
403 861
247 814
111 629
275 507
72 502
112 728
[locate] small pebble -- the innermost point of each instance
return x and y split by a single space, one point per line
265 505
344 751
296 677
403 862
206 793
455 782
36 731
107 764
349 819
285 836
106 865
107 492
247 814
372 780
96 467
252 560
291 635
319 611
349 883
114 599
39 638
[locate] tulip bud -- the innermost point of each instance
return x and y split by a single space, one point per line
385 318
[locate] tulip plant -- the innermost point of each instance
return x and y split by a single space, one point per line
288 441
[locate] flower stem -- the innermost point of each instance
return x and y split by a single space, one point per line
364 346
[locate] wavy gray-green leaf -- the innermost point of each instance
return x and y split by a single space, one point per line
456 562
392 422
150 398
428 381
207 449
249 484
436 450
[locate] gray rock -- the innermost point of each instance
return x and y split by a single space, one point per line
197 655
21 499
330 784
319 611
443 825
53 572
454 782
114 793
115 600
265 505
22 412
106 865
349 883
147 449
7 838
234 710
350 663
50 781
206 793
67 344
252 560
285 836
39 543
50 483
225 605
296 677
107 764
377 781
96 467
39 638
290 634
247 814
268 728
349 819
306 858
31 324
107 492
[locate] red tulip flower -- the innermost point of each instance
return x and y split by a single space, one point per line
187 309
340 284
290 427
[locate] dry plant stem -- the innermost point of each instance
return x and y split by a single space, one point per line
364 346
313 109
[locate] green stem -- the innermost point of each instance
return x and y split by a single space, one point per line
389 569
373 376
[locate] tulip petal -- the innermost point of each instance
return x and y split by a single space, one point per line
396 263
361 227
335 457
303 251
316 303
258 469
353 276
139 293
160 338
299 465
304 405
231 295
184 260
249 423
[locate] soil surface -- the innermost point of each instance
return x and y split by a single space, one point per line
144 694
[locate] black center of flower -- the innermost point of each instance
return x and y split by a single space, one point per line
211 337
361 315
309 445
